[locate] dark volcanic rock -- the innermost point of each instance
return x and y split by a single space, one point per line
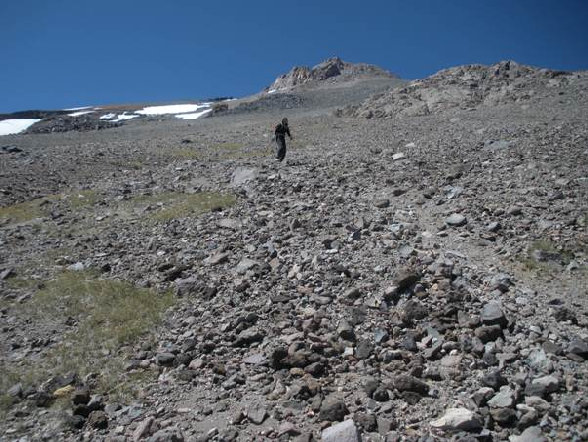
333 410
410 383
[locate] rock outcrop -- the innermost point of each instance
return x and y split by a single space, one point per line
465 87
329 69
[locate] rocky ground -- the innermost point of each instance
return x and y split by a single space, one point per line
413 277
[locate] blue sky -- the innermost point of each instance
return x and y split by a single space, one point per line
66 53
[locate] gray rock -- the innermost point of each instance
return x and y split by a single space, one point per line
537 403
542 386
503 416
217 258
370 385
488 333
494 379
413 310
98 419
456 220
492 314
345 331
385 425
167 359
15 391
143 428
365 421
578 347
256 414
187 286
333 409
168 435
406 382
503 399
380 335
5 274
481 396
341 432
352 293
457 419
381 394
538 360
81 395
364 349
382 203
242 175
493 226
531 434
248 337
405 278
244 265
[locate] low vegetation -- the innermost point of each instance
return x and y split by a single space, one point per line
170 205
100 317
23 212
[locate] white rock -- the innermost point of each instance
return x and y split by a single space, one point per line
342 432
457 419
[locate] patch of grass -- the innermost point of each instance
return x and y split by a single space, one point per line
129 385
23 212
184 153
5 404
21 283
83 198
192 204
40 207
545 255
170 205
109 314
135 164
226 146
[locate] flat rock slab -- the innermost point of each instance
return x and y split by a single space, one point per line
242 175
456 419
456 220
342 432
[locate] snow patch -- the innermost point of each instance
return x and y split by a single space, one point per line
108 117
79 108
172 109
124 116
77 114
15 126
195 115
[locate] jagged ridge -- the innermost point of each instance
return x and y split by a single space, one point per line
465 87
328 69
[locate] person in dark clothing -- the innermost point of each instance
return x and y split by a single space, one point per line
281 130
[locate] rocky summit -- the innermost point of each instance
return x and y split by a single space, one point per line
332 69
415 269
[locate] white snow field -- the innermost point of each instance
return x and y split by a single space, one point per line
15 126
194 116
124 116
78 113
172 109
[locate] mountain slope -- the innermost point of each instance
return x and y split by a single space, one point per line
468 87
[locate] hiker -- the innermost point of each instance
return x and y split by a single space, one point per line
281 130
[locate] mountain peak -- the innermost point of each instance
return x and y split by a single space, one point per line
330 69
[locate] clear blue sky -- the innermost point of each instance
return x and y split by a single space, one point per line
65 53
